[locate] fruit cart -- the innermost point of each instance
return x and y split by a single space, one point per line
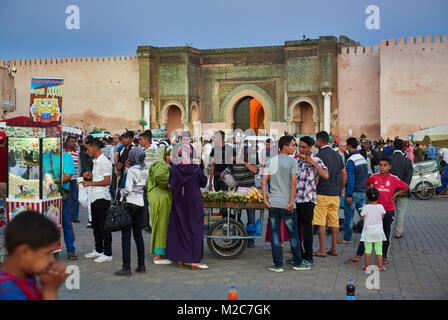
227 237
29 182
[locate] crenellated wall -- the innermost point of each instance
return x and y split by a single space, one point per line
359 91
413 84
98 92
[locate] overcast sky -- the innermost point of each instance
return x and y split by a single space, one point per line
35 29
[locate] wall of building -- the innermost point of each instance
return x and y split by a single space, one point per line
359 92
413 85
101 92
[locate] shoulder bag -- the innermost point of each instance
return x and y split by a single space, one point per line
118 217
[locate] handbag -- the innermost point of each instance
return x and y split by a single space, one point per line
118 217
64 192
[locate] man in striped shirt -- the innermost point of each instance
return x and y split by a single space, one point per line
74 152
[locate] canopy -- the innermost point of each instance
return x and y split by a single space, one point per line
437 135
72 130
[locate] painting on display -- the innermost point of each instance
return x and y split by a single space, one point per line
46 99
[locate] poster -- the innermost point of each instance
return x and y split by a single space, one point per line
46 99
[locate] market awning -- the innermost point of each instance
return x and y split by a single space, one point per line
71 130
420 135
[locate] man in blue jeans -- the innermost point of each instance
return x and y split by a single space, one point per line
282 171
355 195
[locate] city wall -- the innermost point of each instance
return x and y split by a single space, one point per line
98 92
359 92
413 84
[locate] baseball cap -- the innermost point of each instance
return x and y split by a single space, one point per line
2 135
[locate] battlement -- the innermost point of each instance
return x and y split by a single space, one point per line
396 43
118 59
360 50
418 40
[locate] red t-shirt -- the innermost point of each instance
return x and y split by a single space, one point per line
386 187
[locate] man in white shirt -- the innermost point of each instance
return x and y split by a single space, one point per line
100 201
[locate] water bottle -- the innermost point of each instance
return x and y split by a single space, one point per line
232 295
350 292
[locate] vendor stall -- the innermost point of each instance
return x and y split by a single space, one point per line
33 167
227 237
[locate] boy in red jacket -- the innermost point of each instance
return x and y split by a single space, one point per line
30 239
389 187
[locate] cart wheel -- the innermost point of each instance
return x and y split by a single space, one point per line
231 248
427 190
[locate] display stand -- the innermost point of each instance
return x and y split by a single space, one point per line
30 180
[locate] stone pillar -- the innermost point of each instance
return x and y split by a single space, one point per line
197 128
147 112
289 127
327 109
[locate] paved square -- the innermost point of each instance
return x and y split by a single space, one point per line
418 268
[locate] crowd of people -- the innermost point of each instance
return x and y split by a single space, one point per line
304 183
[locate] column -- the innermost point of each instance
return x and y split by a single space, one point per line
197 128
147 113
327 109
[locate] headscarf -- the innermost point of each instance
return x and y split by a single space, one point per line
137 157
161 153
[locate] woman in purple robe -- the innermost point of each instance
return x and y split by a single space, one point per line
185 239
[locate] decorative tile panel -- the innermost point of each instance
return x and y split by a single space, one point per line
302 75
172 80
325 63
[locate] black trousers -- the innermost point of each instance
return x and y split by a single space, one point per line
145 210
103 239
387 223
136 214
305 213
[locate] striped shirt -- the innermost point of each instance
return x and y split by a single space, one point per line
150 154
75 156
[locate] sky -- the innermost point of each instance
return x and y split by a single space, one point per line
36 29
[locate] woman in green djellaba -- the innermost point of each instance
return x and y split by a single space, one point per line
159 198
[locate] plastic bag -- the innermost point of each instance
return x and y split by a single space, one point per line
84 196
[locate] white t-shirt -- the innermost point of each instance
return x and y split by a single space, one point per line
373 223
102 167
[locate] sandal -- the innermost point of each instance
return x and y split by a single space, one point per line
382 269
386 261
365 268
342 241
331 254
316 254
72 256
352 261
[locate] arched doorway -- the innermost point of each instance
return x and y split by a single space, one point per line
303 116
248 114
194 116
174 119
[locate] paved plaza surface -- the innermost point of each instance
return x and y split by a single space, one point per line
418 268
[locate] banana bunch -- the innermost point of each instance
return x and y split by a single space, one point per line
254 195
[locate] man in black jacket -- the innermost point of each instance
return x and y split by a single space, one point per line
370 155
402 168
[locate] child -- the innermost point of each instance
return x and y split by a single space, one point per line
30 239
389 187
373 233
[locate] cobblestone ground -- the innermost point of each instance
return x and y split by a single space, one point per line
418 268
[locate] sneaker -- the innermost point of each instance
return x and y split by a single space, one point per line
89 225
302 266
93 254
311 262
276 269
290 260
164 261
123 273
103 258
307 263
